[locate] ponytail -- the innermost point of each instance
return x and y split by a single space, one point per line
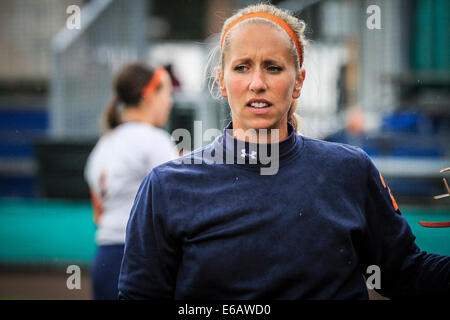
111 115
293 118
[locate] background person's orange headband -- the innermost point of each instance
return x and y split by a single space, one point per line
273 18
154 82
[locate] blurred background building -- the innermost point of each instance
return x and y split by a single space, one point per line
377 76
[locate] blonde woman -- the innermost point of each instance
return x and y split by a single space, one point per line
204 228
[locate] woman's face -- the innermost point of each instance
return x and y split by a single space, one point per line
160 103
259 77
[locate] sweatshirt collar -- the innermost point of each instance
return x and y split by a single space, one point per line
258 154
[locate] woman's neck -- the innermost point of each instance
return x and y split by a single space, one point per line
269 135
135 114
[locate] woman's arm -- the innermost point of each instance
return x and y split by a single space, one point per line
405 269
151 257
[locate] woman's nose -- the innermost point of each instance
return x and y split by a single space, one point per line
257 83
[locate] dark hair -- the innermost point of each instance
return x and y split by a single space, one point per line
128 85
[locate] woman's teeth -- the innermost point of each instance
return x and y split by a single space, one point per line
259 104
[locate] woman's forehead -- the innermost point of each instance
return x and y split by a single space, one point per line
248 30
258 38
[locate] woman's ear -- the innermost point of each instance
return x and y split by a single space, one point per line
146 102
223 90
298 83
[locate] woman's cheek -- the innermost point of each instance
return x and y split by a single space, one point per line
236 84
285 88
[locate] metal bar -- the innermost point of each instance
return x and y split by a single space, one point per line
89 13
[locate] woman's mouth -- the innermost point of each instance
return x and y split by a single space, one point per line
259 106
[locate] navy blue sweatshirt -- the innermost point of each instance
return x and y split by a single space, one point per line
211 230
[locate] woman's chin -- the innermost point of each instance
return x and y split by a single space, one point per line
259 124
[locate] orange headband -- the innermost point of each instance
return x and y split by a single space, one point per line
154 82
273 18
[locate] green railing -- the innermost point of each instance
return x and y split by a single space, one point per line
44 231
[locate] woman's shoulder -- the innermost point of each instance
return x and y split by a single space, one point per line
334 151
135 130
190 164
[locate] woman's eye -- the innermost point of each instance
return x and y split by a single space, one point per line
240 68
274 69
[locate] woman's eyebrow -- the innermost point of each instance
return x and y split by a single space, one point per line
265 62
241 60
271 62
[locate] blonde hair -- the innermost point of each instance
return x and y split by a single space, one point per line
298 27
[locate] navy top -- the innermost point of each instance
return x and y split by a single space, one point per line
204 229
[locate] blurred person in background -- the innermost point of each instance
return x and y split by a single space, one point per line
132 144
311 230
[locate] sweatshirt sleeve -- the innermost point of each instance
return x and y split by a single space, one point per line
150 260
405 269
